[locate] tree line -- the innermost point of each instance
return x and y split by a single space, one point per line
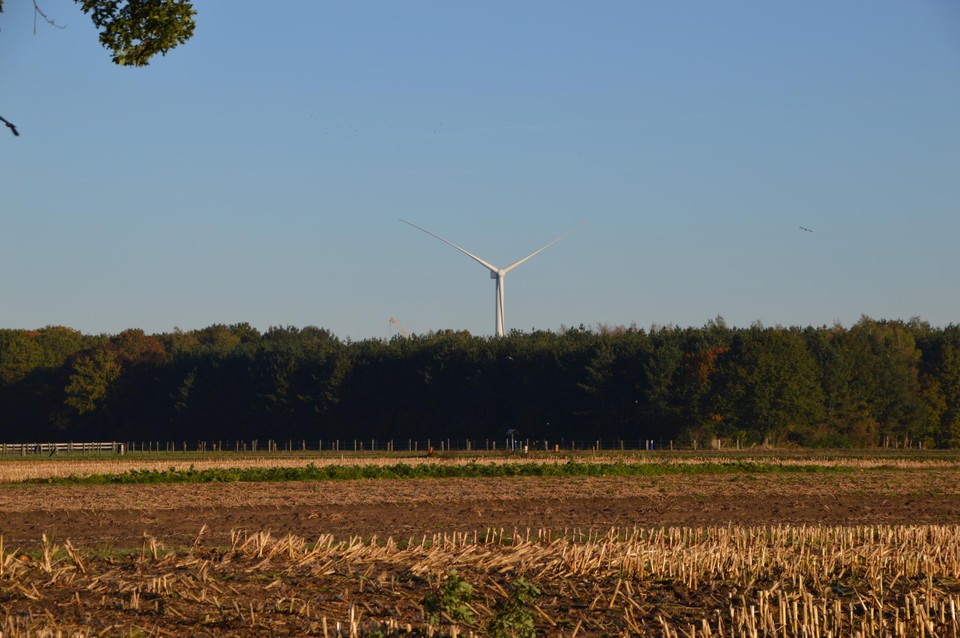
827 386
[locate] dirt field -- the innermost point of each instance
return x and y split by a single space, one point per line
119 515
869 552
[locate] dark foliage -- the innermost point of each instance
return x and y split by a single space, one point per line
875 382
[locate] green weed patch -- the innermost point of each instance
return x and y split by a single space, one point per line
313 472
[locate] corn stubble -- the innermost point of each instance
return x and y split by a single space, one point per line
782 581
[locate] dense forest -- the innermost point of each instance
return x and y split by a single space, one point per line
866 385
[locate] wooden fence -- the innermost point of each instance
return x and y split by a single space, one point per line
52 449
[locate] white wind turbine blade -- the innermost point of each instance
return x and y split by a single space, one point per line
493 269
537 252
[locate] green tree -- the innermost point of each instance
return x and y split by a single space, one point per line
947 381
770 386
623 385
91 378
658 384
179 343
59 344
848 420
885 364
24 351
223 339
20 354
940 381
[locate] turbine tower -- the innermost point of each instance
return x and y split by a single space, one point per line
495 273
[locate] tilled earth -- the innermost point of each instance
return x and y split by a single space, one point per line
202 566
118 516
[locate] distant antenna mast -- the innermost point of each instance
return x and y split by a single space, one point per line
396 324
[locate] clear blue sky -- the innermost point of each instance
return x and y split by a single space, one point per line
257 173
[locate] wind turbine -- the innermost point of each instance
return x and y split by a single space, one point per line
495 273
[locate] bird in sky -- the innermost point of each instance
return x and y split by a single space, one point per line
806 229
10 126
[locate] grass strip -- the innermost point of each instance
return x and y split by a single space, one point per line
313 472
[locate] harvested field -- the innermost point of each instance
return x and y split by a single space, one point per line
871 551
781 581
118 515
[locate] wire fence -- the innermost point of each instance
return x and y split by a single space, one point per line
387 446
397 445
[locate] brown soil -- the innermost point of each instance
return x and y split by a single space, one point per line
285 585
118 516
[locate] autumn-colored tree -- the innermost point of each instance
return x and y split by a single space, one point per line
134 347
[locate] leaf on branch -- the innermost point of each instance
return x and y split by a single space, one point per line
136 30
